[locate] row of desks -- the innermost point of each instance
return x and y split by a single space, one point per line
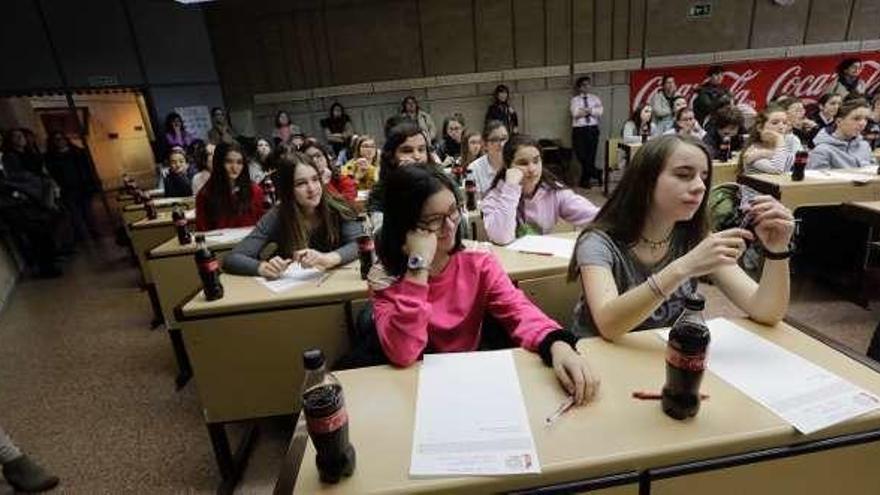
616 445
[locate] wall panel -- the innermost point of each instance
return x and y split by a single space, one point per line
775 25
373 40
584 30
828 21
671 32
558 29
97 44
528 28
865 22
32 65
447 36
494 35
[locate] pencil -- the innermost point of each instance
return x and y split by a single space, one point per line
642 395
539 253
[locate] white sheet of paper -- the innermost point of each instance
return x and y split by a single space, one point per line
294 276
363 194
226 236
461 428
821 175
807 396
556 246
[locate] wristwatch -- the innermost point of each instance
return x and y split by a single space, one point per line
416 263
770 255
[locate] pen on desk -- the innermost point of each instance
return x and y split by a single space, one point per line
324 278
539 253
563 407
642 395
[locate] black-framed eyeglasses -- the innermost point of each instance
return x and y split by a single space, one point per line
435 223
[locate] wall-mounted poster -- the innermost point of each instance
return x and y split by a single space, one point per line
196 119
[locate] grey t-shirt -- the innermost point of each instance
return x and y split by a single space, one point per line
598 249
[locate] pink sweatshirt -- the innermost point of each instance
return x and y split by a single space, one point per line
542 210
447 314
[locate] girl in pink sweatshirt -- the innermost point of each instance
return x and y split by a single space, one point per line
525 199
431 295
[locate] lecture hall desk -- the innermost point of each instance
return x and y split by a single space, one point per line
814 192
617 445
721 171
175 277
245 349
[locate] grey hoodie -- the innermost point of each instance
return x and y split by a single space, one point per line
831 152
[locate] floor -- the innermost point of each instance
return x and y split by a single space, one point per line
88 389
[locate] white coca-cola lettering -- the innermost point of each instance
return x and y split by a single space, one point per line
756 83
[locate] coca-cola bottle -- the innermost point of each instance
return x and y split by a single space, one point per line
140 197
470 192
645 132
457 172
323 405
724 149
366 248
181 224
150 207
129 184
800 164
209 269
268 193
686 360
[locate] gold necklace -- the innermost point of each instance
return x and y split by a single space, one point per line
655 245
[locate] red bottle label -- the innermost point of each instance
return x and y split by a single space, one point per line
327 424
210 266
365 244
689 362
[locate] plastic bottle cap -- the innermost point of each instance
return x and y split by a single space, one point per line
313 359
200 237
695 302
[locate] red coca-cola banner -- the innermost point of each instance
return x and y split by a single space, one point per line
754 83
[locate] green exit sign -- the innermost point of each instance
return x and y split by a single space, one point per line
700 10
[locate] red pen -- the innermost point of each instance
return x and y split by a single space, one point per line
642 395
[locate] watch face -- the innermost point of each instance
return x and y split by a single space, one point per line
416 262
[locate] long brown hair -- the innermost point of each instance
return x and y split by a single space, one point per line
513 144
295 231
466 135
222 202
624 215
755 132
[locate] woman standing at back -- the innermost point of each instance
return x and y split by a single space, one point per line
501 109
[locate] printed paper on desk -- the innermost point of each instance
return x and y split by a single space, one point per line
805 395
821 175
461 429
363 194
226 236
543 244
294 276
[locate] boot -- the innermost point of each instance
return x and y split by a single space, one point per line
27 476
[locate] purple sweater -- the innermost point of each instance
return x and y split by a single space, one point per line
543 210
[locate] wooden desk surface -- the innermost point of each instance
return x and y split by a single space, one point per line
869 206
164 203
815 192
162 220
171 248
247 294
614 434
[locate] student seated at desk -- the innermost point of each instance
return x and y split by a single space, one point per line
724 124
229 198
405 143
429 294
175 178
686 124
526 199
842 145
486 166
770 148
640 126
364 165
331 176
309 226
650 242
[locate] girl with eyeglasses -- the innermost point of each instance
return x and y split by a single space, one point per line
430 294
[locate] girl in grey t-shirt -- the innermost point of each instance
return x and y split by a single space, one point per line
650 242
